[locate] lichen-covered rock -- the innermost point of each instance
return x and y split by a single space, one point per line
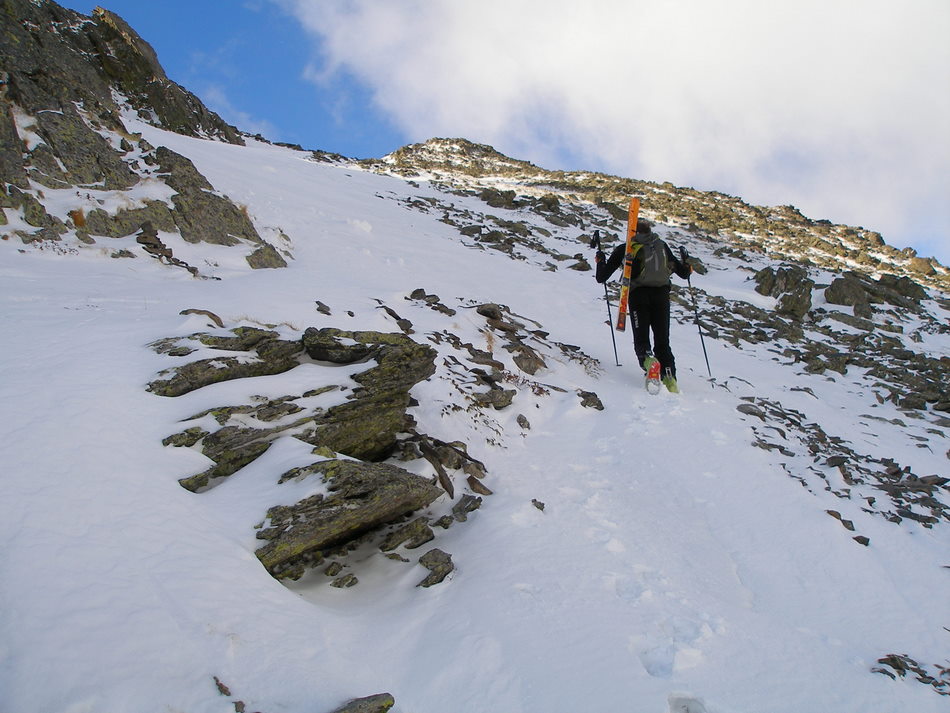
412 535
273 356
439 564
55 57
11 148
366 426
127 221
87 157
266 257
379 703
231 448
360 497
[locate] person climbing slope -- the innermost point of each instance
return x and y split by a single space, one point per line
649 298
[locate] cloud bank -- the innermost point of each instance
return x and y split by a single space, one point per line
840 107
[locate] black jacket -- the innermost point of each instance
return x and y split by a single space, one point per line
605 268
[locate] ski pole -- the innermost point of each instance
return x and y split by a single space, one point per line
595 243
684 256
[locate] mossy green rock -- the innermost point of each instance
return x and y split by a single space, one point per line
366 426
360 498
274 356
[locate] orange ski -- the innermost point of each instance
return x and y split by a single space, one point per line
627 263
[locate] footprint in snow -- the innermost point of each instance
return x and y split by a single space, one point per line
679 703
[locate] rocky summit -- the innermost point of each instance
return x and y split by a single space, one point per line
385 381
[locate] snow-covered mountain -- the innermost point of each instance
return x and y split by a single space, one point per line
773 538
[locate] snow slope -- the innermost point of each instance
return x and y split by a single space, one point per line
673 564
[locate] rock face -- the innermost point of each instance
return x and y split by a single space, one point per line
54 57
61 127
790 285
359 498
860 292
364 426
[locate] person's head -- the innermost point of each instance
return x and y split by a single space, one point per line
644 227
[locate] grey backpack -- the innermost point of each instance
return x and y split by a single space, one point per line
656 267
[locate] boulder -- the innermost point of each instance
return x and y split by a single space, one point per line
380 703
266 257
847 291
274 356
366 426
790 285
359 497
439 564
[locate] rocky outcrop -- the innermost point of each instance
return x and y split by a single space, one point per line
270 356
55 57
790 285
858 291
379 703
353 496
359 497
60 126
366 425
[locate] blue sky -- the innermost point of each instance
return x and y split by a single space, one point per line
839 107
246 60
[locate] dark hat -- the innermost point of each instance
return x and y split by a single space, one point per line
644 226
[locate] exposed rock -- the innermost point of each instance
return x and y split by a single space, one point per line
466 504
366 426
11 147
345 582
790 285
360 497
55 57
848 291
414 534
439 564
590 400
127 221
899 665
132 64
921 265
210 315
379 703
478 486
266 257
274 356
87 157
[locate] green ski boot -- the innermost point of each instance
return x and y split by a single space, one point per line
669 381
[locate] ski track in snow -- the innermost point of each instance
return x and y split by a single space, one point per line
673 569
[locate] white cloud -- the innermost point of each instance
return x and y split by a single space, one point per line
838 106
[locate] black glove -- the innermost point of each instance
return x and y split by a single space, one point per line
684 258
599 256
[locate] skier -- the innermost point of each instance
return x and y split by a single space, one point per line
649 297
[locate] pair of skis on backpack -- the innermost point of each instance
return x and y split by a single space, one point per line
654 379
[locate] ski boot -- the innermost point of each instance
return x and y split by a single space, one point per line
669 381
652 366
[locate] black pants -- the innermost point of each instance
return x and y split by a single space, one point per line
650 309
